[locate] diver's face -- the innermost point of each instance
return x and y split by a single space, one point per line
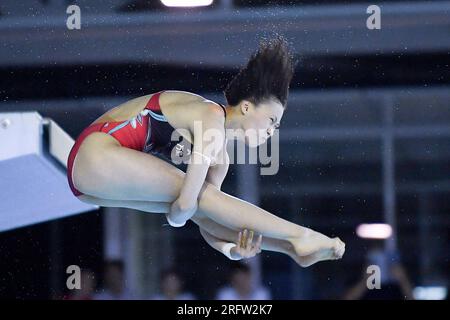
259 122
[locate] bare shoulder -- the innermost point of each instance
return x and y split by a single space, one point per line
174 97
190 106
210 113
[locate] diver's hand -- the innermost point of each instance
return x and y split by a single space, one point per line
245 246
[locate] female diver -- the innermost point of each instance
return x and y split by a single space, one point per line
114 162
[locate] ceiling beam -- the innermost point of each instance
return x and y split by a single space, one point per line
222 38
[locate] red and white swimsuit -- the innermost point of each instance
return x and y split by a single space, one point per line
149 132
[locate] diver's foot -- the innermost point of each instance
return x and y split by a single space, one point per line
338 248
313 242
334 252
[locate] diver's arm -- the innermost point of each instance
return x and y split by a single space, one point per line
209 135
216 174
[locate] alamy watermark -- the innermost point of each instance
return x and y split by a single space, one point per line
74 279
73 21
213 147
374 279
374 20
